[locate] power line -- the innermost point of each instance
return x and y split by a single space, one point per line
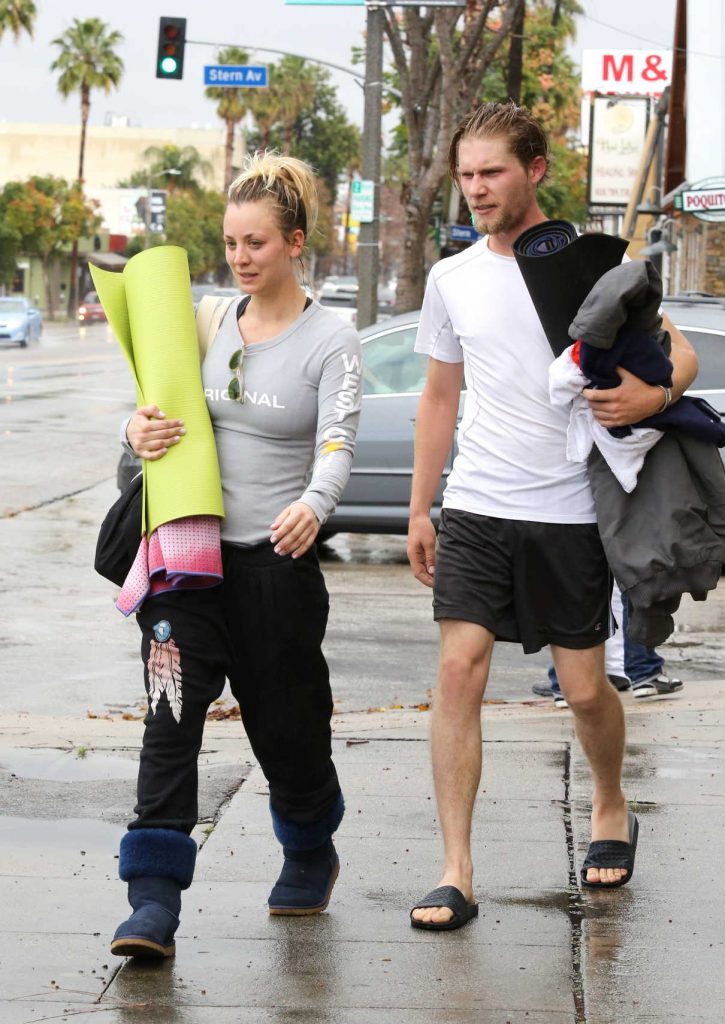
268 49
654 42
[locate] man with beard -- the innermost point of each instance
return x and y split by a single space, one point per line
519 556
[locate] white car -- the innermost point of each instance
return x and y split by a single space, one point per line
20 321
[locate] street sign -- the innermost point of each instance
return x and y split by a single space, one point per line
157 211
362 201
236 76
462 233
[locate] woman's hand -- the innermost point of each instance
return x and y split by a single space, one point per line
150 434
632 401
294 529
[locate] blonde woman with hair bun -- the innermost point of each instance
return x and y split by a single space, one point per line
283 386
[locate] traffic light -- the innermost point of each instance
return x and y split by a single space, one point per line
170 56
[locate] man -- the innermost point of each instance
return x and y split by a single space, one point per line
519 556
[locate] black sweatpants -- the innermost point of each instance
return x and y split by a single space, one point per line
262 629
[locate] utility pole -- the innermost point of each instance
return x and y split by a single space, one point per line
368 252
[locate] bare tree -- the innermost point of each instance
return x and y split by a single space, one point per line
440 68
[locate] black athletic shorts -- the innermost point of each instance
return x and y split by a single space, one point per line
529 583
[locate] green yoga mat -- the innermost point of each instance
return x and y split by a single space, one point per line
150 310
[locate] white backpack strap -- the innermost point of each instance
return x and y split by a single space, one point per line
209 314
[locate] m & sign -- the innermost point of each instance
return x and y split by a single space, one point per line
638 72
236 76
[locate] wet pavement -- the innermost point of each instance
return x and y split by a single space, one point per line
542 950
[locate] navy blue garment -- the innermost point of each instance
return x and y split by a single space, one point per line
693 416
640 353
634 350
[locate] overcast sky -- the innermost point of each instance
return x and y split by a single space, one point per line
28 90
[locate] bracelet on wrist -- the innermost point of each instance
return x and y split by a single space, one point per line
667 401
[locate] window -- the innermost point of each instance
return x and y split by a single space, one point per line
390 366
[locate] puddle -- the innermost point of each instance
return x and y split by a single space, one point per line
29 833
364 549
75 765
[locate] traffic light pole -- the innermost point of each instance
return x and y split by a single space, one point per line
368 264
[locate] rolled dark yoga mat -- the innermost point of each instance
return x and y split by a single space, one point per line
559 269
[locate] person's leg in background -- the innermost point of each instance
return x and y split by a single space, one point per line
645 667
614 657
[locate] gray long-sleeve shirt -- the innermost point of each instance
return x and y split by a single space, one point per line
293 437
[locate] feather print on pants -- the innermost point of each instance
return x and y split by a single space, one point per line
164 667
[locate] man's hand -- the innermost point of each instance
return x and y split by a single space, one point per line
294 529
150 434
422 548
632 401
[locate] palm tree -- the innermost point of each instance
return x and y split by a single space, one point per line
17 16
264 108
232 106
185 162
87 60
294 87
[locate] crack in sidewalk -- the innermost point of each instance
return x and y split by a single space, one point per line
575 908
12 513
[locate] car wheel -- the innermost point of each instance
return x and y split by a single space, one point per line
23 342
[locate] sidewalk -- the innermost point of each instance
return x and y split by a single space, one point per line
541 952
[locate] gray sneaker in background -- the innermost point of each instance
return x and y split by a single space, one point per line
656 686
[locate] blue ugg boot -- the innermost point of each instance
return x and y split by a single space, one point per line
157 863
311 864
306 881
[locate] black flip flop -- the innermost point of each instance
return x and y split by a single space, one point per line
612 853
452 898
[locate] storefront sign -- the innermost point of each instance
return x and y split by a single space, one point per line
618 127
637 72
706 199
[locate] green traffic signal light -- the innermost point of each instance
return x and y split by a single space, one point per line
170 50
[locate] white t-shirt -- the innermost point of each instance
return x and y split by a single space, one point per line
511 460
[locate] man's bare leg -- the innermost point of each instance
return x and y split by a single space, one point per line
599 720
465 657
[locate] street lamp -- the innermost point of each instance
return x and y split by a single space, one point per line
659 244
174 172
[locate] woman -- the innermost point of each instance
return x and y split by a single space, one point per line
282 381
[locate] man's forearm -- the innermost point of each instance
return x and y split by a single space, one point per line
434 426
683 358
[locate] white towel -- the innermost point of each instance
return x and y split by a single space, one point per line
624 455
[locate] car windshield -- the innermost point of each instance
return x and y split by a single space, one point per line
710 349
92 297
12 306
